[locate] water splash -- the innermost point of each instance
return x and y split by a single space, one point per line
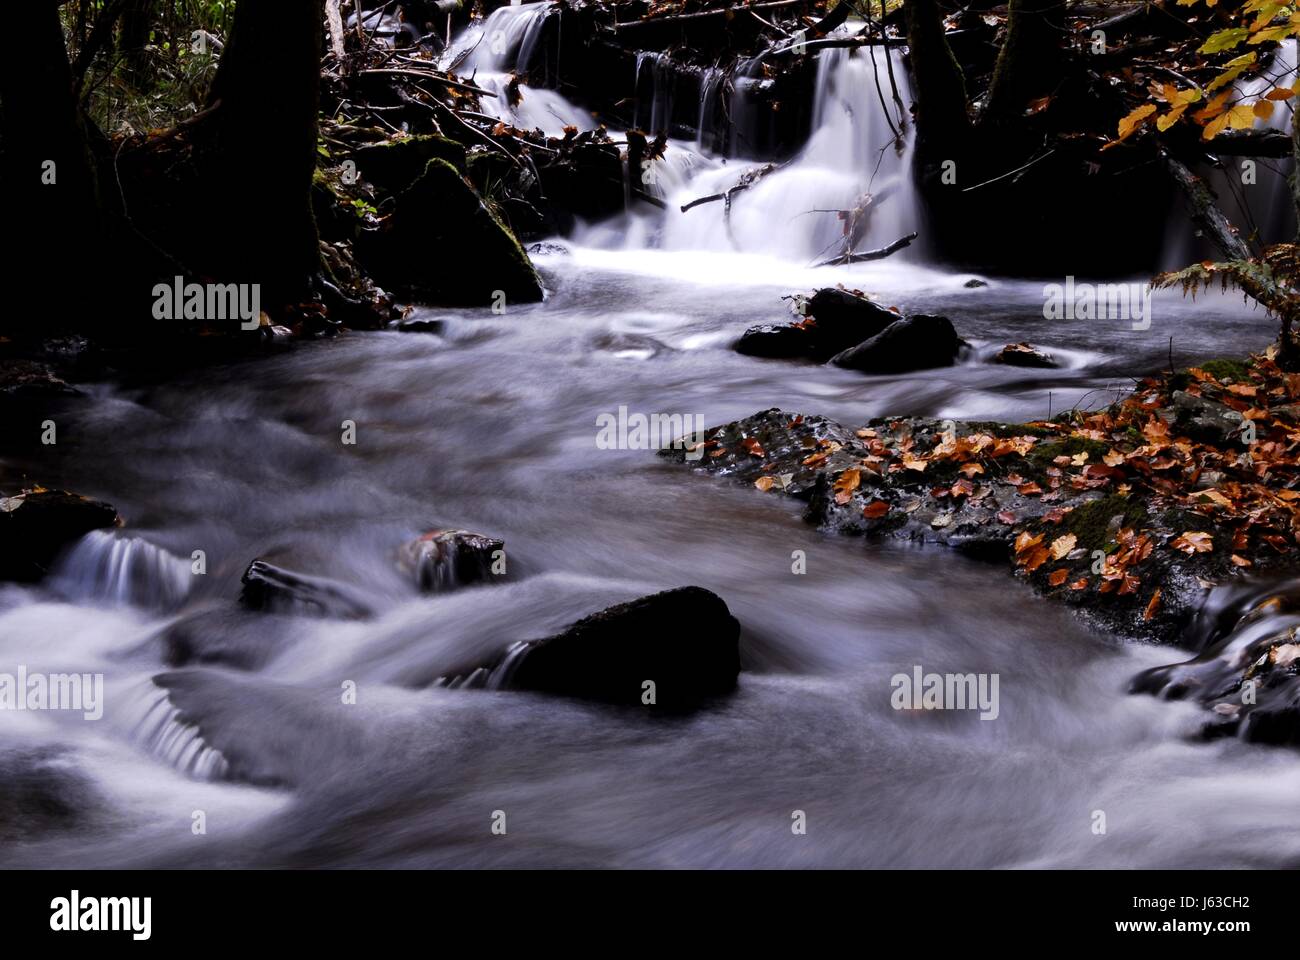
163 733
118 570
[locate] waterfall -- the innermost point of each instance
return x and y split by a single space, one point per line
118 570
853 153
852 176
508 44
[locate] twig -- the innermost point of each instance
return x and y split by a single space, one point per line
869 255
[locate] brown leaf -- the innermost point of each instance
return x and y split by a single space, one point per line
1152 606
845 484
875 509
1192 542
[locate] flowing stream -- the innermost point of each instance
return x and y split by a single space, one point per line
491 426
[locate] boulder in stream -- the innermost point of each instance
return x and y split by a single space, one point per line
1024 355
444 244
919 342
36 526
685 642
834 321
277 590
441 560
1247 666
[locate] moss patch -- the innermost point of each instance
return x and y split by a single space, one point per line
1237 371
1091 522
1044 454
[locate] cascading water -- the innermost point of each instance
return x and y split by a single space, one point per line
851 184
505 46
112 568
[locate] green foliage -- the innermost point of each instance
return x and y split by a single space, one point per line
136 91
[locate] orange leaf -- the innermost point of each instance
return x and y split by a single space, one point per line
875 509
845 484
1152 606
1193 541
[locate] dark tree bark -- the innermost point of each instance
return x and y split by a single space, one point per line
942 121
53 212
262 152
136 26
1028 64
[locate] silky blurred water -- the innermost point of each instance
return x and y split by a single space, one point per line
491 426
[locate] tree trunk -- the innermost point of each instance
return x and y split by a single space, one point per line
136 26
51 196
263 152
942 123
1028 64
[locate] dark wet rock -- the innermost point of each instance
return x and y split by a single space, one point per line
1203 419
919 342
442 560
37 526
1016 492
549 248
445 245
1024 355
31 379
775 341
1247 664
277 590
684 641
833 321
393 165
975 283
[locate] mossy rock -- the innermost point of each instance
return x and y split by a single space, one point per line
1044 454
1238 371
395 165
1001 430
444 245
1093 524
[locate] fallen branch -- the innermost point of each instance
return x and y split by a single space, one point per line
746 181
868 255
1205 211
335 19
430 75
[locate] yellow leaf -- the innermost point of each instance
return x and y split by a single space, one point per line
1215 126
1213 108
1263 109
1135 120
1163 123
764 483
1241 117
